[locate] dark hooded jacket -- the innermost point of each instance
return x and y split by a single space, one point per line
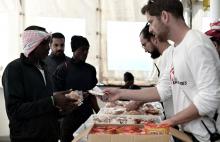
53 61
32 115
76 76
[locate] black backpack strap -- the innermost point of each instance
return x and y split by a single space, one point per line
215 116
213 136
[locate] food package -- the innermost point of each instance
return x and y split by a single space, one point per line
124 119
75 95
156 129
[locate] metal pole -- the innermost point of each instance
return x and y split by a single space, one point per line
215 10
99 34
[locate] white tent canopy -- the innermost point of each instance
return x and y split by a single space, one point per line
111 26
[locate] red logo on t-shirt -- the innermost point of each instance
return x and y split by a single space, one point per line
172 77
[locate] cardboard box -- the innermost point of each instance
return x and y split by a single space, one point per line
131 137
126 137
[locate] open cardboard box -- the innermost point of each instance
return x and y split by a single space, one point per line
131 137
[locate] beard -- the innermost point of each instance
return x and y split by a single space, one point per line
163 34
155 54
59 53
162 37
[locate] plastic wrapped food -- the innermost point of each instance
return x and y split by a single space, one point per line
156 129
75 95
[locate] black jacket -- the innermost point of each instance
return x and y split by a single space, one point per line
32 116
53 61
76 76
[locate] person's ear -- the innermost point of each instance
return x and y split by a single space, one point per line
154 40
164 16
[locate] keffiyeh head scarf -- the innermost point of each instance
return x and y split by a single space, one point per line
214 31
31 39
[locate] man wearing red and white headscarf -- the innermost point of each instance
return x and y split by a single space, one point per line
214 34
31 105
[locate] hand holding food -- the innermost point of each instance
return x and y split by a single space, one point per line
132 105
96 91
168 122
75 96
66 100
111 95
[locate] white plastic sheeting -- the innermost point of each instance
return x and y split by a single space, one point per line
215 10
111 26
115 15
9 27
89 18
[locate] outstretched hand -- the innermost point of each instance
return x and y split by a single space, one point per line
168 122
111 95
133 105
63 102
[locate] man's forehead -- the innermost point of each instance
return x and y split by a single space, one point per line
148 16
141 36
142 39
58 40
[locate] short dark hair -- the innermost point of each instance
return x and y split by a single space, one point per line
155 8
57 35
79 41
215 40
128 76
33 27
145 32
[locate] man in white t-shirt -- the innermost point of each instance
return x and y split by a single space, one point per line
156 48
192 77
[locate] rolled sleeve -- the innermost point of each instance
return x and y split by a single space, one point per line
205 72
208 99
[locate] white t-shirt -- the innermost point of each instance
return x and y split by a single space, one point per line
43 75
153 75
192 76
161 63
168 103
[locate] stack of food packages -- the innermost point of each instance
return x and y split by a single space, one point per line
147 128
116 120
119 108
124 119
